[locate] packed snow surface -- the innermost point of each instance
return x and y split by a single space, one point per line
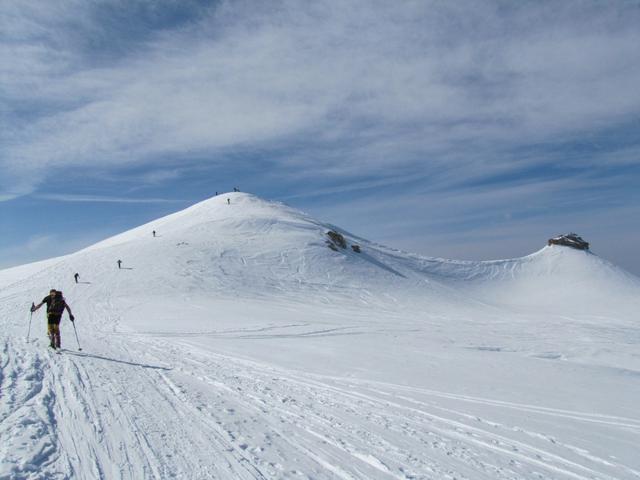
236 345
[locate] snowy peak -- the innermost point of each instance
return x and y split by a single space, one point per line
240 244
234 208
556 279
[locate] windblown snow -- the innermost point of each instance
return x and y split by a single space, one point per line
236 345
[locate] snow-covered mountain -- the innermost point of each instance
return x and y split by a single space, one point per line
236 344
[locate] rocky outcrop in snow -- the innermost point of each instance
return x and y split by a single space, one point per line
336 240
569 240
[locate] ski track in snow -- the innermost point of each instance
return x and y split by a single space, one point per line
215 416
157 399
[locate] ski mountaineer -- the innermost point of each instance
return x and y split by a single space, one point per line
56 305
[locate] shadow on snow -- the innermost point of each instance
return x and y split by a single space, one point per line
99 357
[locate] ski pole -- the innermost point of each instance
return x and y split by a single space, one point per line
30 317
76 331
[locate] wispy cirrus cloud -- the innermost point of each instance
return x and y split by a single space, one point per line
61 197
494 220
376 83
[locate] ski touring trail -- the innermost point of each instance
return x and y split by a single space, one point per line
182 412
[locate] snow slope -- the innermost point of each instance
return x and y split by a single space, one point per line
235 344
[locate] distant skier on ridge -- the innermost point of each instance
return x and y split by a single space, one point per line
56 306
119 264
76 276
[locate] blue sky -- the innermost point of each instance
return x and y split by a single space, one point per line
471 130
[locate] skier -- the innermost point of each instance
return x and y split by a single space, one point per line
76 276
154 233
228 201
56 305
119 264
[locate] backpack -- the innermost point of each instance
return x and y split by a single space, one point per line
57 305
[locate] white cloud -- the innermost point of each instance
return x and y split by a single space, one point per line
379 83
60 197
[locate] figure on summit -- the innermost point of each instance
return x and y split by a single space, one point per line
56 306
228 201
154 233
119 264
76 276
